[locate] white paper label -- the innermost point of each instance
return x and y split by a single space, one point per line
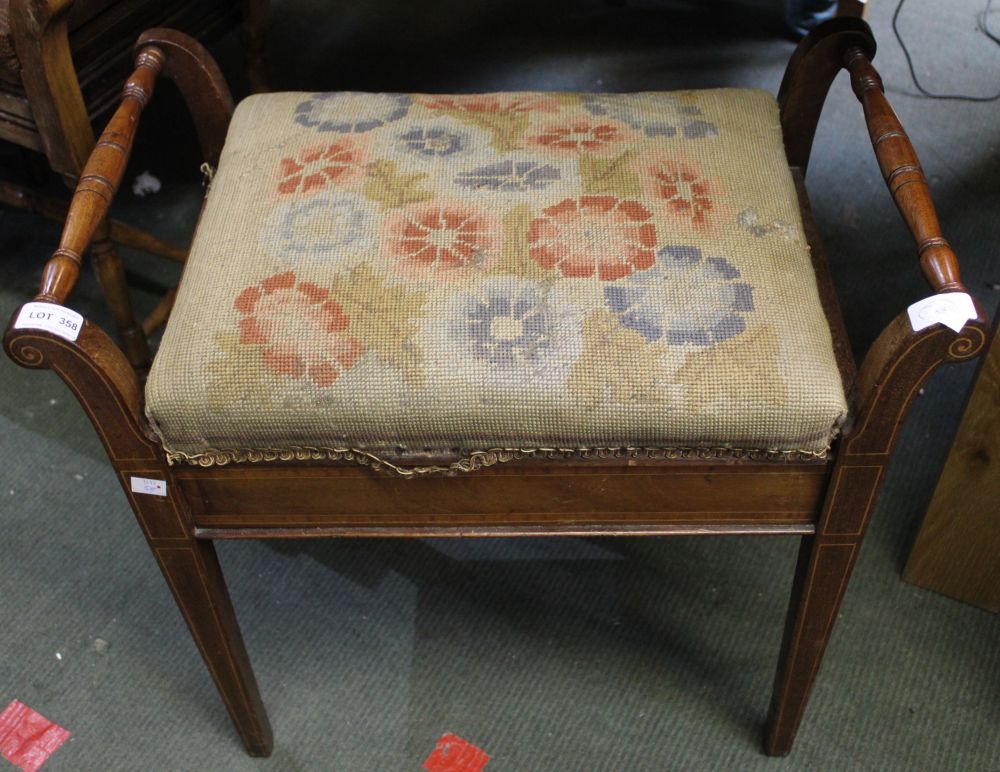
64 322
149 487
952 309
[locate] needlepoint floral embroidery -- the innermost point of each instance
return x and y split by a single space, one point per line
685 298
301 331
657 115
697 129
580 136
441 236
434 141
505 116
317 166
505 323
491 103
453 273
503 333
593 235
328 227
684 190
510 176
349 112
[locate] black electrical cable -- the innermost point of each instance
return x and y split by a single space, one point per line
984 25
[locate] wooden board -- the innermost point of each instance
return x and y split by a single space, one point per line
778 497
957 552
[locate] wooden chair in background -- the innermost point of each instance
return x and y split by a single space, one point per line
185 501
62 63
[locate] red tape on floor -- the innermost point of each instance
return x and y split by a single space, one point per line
27 738
453 754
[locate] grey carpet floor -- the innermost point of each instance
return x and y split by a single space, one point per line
548 654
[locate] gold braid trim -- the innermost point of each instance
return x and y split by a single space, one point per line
480 459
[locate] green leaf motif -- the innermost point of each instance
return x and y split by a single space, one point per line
755 354
236 375
515 256
392 188
383 317
506 128
617 366
615 176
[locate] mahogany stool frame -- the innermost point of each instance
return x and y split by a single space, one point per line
826 502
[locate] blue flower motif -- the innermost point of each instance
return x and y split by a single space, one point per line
510 176
322 227
660 130
618 106
699 129
505 323
684 298
636 111
433 141
350 112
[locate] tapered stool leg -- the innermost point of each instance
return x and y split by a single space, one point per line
192 571
825 564
821 576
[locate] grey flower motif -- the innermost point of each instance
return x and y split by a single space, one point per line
636 111
684 298
434 141
700 129
351 112
621 107
506 323
322 227
510 176
660 130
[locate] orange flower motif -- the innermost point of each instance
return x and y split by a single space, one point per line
685 190
316 167
491 103
601 235
301 327
442 236
581 135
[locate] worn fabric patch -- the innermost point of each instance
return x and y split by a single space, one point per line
412 273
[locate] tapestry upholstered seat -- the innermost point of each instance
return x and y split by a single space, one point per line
389 274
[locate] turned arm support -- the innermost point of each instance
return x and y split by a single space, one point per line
901 359
189 65
817 60
847 43
198 78
92 365
903 174
99 180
